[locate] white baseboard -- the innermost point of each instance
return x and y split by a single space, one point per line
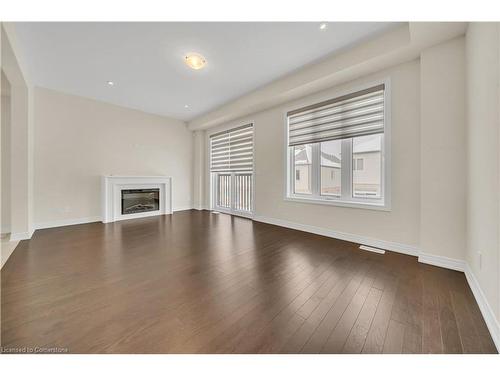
372 249
182 208
66 222
368 241
200 208
21 236
484 306
7 250
440 261
84 220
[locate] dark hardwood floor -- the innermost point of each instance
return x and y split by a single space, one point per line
196 282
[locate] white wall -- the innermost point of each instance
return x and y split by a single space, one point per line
21 133
483 145
443 168
78 140
6 159
402 223
428 210
198 168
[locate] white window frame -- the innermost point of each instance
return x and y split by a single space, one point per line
346 199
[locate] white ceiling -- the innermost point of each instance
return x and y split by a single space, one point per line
145 60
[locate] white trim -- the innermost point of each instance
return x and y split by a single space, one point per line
201 207
7 250
339 203
484 306
21 236
440 261
66 222
247 215
372 249
435 260
182 208
84 220
373 242
315 197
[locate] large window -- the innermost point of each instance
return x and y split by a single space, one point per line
231 167
338 150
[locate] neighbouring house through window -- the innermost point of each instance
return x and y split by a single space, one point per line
337 150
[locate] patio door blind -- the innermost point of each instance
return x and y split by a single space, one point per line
352 115
232 150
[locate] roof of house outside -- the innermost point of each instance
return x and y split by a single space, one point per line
329 160
370 143
304 157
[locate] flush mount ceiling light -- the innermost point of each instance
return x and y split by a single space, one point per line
195 61
110 83
323 26
186 106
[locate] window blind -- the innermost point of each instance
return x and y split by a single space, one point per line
232 150
352 115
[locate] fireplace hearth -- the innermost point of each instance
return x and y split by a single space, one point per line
140 200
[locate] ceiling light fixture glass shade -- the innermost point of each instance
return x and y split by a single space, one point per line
195 61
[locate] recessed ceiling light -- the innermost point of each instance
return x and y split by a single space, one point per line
195 61
323 26
110 83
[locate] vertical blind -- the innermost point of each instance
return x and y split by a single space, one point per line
232 150
352 115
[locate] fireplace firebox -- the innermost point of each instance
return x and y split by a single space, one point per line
140 200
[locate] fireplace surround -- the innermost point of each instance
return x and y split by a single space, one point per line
130 197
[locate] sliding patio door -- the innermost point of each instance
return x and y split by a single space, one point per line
231 167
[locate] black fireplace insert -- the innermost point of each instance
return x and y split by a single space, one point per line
140 200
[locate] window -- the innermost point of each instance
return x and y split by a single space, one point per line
231 167
337 150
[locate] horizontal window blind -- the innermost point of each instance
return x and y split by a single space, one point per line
352 115
232 150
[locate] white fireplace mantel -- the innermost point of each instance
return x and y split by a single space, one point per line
111 195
